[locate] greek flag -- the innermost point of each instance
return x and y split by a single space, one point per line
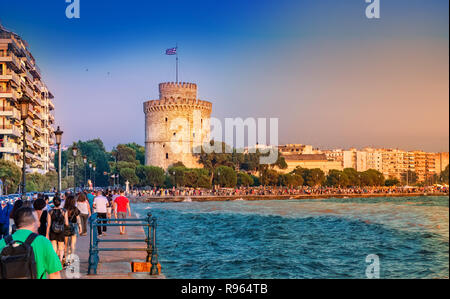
171 51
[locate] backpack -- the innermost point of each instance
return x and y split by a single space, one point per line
17 259
58 224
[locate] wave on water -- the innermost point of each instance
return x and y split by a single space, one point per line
303 238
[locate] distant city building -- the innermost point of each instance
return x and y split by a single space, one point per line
406 166
21 77
442 161
310 161
175 124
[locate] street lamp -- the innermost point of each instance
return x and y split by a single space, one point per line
58 135
90 171
93 168
24 106
74 153
84 161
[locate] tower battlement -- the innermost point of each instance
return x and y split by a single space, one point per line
176 90
176 104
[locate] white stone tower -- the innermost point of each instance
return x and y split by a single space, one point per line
175 124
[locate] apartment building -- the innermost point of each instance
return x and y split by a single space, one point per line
20 77
442 161
374 159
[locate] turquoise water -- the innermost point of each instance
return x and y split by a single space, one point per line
325 238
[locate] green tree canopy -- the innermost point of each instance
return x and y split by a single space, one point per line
225 177
10 175
244 179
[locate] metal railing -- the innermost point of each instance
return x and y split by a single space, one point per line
149 224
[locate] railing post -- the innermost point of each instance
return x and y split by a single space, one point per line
93 244
148 240
154 270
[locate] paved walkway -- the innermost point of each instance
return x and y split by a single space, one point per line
114 264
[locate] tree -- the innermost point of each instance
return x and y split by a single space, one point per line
243 179
315 177
225 177
409 178
139 150
176 175
128 174
392 182
211 161
371 178
269 177
290 180
10 175
337 178
150 175
125 153
444 177
353 177
95 152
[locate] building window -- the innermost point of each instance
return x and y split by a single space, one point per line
174 134
167 119
167 156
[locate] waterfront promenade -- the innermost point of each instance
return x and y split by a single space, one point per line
114 264
196 198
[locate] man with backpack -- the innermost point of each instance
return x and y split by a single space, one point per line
25 254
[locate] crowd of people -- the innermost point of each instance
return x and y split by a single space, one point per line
51 226
304 190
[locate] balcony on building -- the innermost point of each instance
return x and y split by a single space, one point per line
12 61
8 129
9 148
12 77
10 112
9 93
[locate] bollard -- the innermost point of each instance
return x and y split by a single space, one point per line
148 240
93 244
154 269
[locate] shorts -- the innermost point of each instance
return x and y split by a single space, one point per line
121 215
59 237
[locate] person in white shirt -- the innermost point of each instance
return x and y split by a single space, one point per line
101 207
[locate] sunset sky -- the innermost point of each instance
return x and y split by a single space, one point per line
334 78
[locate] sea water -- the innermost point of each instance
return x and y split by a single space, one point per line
317 238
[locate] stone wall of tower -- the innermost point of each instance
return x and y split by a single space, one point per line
175 124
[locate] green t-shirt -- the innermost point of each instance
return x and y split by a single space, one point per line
47 261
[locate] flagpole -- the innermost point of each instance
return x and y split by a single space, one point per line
176 51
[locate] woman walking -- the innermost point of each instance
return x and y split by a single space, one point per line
72 228
85 211
55 227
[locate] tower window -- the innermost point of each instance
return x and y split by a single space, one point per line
174 134
167 156
167 119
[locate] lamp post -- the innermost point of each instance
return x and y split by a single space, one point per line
90 171
74 153
93 168
24 107
58 134
84 161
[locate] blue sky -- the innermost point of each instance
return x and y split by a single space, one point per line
331 76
